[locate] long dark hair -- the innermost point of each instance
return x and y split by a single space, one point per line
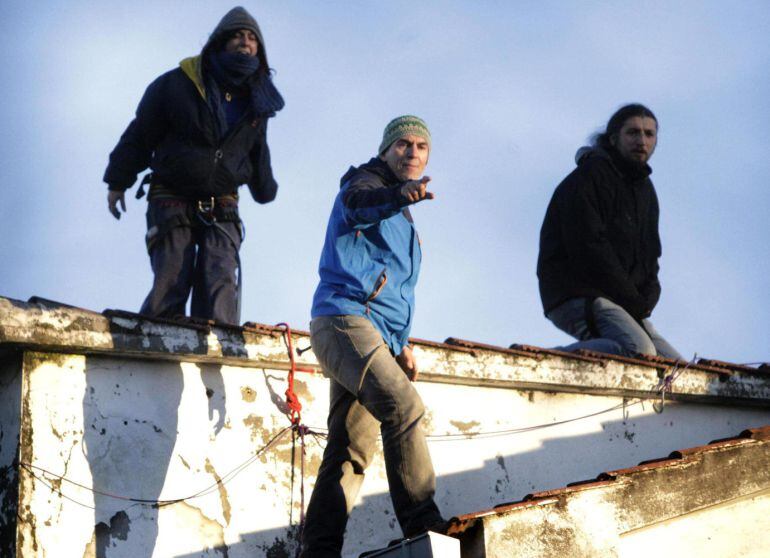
602 139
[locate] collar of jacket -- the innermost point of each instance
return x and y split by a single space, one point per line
375 166
627 170
193 69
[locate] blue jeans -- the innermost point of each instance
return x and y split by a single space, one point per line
619 333
370 394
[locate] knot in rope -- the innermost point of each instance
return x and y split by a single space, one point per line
292 400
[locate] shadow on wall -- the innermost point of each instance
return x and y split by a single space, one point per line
507 478
10 395
131 456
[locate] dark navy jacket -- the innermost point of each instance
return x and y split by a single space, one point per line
371 256
174 133
600 236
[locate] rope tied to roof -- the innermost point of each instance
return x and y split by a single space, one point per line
666 382
298 429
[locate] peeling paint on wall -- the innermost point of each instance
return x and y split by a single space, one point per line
254 423
222 491
141 414
248 394
208 529
465 427
301 389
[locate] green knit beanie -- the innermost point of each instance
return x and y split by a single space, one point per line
402 126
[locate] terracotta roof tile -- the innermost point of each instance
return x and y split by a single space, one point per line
724 369
764 367
676 458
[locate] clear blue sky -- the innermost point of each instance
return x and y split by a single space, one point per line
510 91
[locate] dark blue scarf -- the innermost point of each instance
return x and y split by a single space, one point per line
238 73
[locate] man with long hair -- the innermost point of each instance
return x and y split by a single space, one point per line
599 243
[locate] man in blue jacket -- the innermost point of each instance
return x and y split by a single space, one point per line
202 129
362 313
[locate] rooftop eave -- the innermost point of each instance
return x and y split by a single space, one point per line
54 327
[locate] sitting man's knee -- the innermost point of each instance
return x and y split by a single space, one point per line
640 346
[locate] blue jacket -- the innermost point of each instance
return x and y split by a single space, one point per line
371 256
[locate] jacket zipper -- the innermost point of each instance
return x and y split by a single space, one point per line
379 284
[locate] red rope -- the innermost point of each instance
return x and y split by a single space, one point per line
295 416
292 400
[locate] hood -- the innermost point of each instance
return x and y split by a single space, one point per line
375 166
587 151
630 171
192 67
238 18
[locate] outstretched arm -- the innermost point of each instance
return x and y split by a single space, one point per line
367 202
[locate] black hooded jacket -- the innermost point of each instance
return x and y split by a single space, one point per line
600 236
175 134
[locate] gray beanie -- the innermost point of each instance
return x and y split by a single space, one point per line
402 126
237 18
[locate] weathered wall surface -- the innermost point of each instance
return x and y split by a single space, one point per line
157 430
116 412
10 414
710 500
737 528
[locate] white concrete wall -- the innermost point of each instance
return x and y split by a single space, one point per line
148 429
736 529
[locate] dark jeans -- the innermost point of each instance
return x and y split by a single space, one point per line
370 394
619 333
200 258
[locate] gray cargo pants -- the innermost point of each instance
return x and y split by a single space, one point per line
370 394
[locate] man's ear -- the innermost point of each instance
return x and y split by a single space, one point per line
614 140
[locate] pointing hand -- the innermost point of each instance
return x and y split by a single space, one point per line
416 190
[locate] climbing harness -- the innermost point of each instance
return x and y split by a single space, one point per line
204 214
